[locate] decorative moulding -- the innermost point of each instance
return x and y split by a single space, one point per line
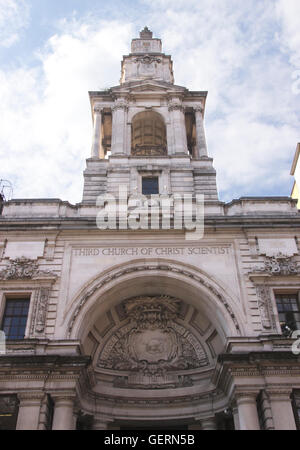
279 265
152 346
24 268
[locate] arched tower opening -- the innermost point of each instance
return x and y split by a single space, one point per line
149 137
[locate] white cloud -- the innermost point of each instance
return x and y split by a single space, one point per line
46 131
234 51
288 12
14 16
241 54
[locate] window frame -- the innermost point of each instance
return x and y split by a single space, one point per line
150 177
14 295
163 180
286 292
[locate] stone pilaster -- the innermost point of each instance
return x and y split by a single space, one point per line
29 410
236 419
97 148
201 147
119 124
282 411
179 131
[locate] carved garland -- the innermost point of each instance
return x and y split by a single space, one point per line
278 265
166 268
23 268
147 59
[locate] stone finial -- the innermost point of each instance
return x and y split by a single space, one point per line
146 33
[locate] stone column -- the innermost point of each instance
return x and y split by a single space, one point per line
282 411
209 423
97 148
179 130
29 410
63 418
248 416
201 147
119 116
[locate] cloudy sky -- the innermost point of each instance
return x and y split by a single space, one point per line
245 53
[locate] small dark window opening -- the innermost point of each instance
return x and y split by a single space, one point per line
150 185
288 311
296 407
260 411
9 408
1 202
15 318
49 413
225 420
84 421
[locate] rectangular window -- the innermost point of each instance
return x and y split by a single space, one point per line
15 318
288 311
150 185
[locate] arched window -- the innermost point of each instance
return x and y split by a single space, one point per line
148 135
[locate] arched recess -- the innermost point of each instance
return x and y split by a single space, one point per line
153 277
153 325
148 134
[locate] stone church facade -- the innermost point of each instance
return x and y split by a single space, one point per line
135 327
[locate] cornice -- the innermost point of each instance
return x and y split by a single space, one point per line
257 357
81 223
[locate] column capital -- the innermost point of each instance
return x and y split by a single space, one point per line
64 396
245 396
98 109
101 423
279 394
120 104
30 397
209 423
175 106
198 108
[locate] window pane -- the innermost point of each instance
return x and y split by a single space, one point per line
150 185
288 309
15 318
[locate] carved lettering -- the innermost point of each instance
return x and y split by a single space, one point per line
152 251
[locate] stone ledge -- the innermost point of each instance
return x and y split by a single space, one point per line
19 361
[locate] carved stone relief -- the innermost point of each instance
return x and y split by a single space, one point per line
41 310
278 265
144 150
23 268
162 267
152 345
265 306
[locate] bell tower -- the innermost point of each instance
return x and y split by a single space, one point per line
149 131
